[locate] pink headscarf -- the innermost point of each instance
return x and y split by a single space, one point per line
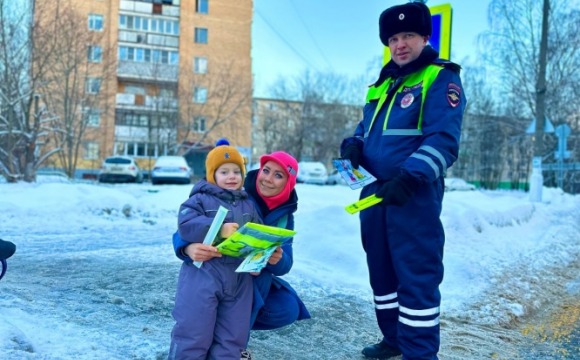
290 166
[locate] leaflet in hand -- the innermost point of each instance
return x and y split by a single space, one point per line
355 178
256 243
214 228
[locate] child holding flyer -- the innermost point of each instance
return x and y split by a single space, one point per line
213 302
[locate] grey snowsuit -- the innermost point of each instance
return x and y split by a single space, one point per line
213 303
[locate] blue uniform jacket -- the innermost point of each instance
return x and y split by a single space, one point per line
392 144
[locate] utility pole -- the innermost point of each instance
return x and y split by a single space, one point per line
537 179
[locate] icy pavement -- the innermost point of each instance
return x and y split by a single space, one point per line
94 276
112 299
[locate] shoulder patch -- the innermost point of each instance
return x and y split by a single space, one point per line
453 94
448 65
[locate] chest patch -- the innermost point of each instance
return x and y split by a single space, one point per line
411 88
407 100
453 94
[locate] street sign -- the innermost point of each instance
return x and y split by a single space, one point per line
548 126
562 166
441 17
562 132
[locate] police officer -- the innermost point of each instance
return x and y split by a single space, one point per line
408 137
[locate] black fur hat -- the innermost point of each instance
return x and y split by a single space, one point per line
414 17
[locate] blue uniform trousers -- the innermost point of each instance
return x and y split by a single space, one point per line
404 248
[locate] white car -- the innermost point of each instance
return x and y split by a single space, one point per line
457 184
171 170
312 172
335 178
120 169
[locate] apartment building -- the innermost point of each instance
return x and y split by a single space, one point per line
163 77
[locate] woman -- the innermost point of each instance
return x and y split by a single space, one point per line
275 303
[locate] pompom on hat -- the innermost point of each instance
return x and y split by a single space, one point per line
412 17
222 154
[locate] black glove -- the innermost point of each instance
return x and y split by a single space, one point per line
7 249
353 153
398 190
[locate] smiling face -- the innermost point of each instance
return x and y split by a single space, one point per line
406 47
271 179
229 176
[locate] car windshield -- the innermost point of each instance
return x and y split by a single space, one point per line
117 161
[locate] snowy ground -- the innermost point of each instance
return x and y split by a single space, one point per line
94 274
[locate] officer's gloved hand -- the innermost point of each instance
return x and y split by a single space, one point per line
353 153
398 190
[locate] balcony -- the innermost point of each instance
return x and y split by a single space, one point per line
143 102
136 37
147 71
151 7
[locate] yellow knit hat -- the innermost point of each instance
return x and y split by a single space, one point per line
221 155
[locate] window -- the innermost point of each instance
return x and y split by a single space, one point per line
122 21
93 85
91 150
134 89
95 54
200 65
93 117
148 55
198 124
200 35
200 95
139 149
95 22
201 6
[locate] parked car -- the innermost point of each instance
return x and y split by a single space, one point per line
171 170
312 172
51 176
120 169
457 184
335 178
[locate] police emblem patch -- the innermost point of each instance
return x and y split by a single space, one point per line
453 94
407 100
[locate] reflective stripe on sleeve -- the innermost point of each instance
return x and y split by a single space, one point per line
431 150
429 162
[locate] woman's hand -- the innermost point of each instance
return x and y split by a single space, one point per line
276 256
201 252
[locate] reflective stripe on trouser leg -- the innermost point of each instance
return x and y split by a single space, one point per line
382 276
416 243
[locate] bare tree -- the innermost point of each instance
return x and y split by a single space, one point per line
73 88
316 112
215 106
23 62
512 49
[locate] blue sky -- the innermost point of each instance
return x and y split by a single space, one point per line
339 36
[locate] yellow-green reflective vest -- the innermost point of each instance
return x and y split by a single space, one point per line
426 77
